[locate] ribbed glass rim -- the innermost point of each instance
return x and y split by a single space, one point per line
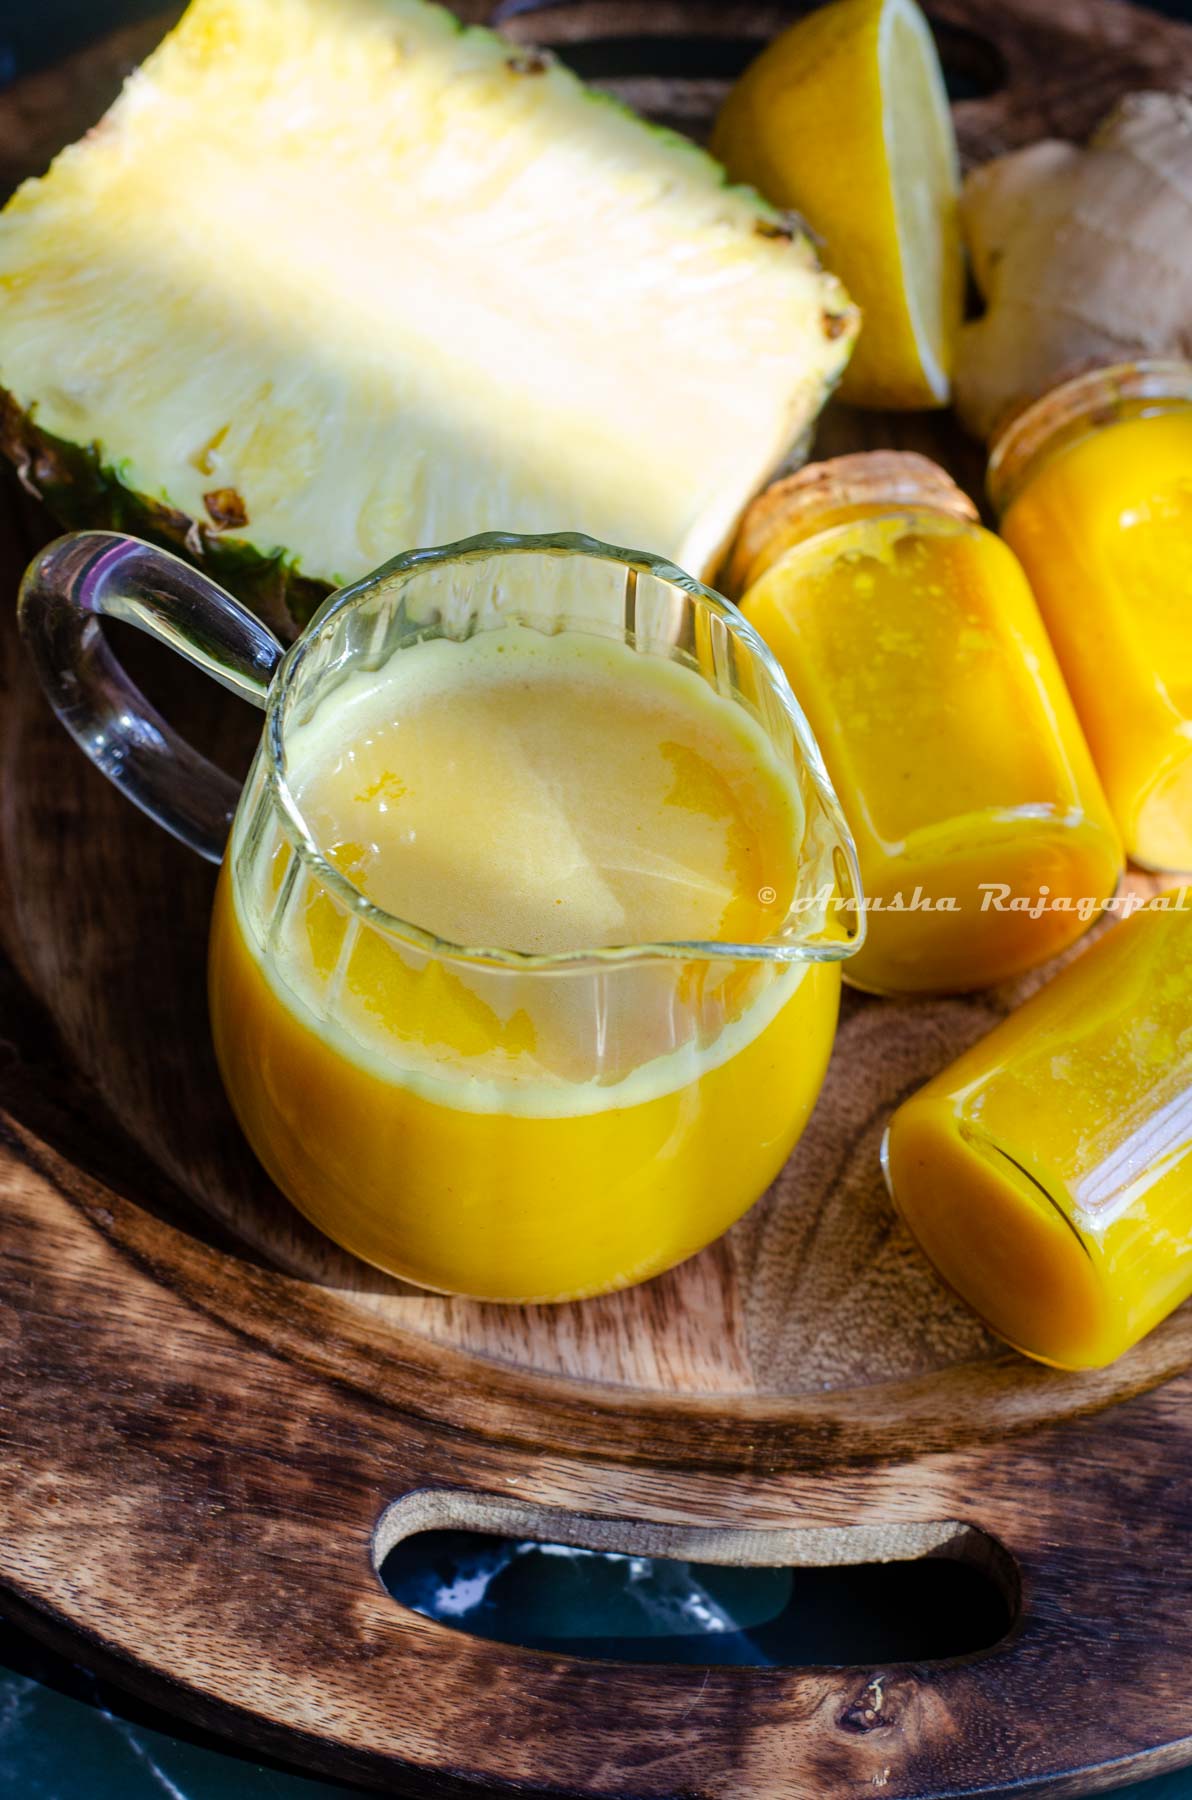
499 543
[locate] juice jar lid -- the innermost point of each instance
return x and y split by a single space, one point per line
828 493
1084 401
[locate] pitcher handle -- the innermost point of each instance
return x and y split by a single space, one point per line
89 575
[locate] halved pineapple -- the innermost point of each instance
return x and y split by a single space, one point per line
335 278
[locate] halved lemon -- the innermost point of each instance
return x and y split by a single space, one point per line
845 120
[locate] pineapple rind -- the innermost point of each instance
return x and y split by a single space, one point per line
82 493
120 470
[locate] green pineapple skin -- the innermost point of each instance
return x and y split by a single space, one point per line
73 483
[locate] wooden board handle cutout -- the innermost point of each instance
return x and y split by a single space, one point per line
1018 69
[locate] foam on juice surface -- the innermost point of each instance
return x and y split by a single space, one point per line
550 794
544 795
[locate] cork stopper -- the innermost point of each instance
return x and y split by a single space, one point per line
828 493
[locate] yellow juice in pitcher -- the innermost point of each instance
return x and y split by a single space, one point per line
502 1125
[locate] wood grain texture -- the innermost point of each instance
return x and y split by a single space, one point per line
199 1499
1038 68
208 1410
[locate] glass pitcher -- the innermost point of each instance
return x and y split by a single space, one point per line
509 1126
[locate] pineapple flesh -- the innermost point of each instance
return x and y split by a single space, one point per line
337 278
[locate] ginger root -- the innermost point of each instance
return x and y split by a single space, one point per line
1083 256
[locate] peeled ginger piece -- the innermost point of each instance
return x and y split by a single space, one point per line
1081 256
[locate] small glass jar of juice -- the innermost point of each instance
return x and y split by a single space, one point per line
1048 1173
912 640
1093 486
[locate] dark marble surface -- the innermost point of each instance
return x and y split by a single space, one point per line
64 1735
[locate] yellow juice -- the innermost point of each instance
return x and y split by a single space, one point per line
508 1128
1103 525
917 652
1048 1171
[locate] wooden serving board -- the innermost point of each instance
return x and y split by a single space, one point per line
214 1423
